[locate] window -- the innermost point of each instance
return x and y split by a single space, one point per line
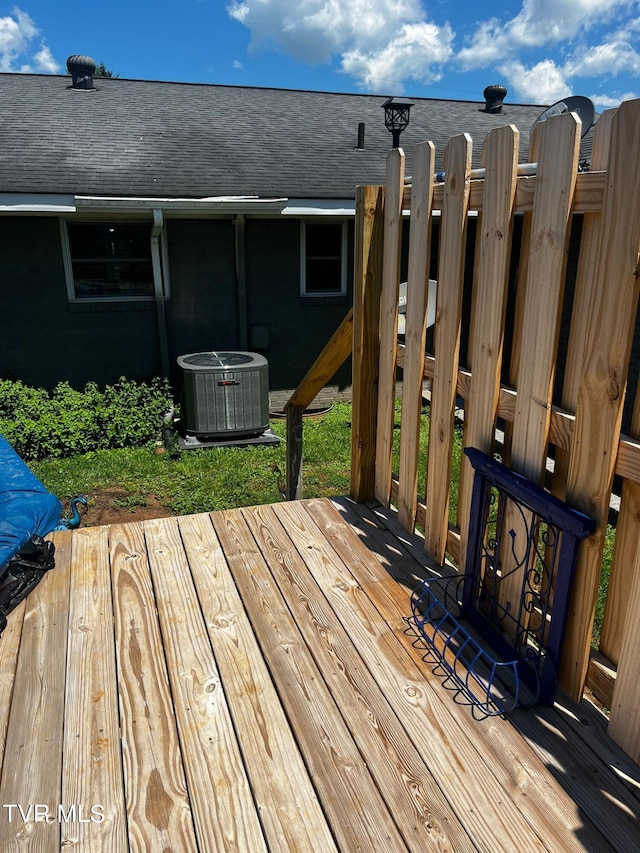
323 259
109 260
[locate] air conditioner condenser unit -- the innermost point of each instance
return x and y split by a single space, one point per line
226 394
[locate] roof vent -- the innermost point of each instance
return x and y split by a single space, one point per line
493 96
82 68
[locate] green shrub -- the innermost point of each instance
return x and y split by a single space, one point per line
63 422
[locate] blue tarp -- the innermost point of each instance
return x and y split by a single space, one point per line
26 507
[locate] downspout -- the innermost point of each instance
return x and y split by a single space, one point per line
241 280
158 289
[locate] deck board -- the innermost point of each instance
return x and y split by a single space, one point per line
157 802
32 776
244 680
91 747
536 747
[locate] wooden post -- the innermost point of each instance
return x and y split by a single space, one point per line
389 322
604 376
294 452
367 285
324 367
415 329
452 249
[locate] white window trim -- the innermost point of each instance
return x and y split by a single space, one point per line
68 270
303 260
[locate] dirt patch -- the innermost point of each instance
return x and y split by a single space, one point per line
114 506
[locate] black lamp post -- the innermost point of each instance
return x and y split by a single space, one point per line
396 118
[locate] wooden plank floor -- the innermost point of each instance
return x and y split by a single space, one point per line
244 681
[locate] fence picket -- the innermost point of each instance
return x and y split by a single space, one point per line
602 388
452 247
623 561
582 298
389 322
624 724
557 170
415 331
520 297
487 323
559 144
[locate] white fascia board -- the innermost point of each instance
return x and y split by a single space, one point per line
213 204
341 207
36 203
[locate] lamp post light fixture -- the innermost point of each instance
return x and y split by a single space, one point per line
396 118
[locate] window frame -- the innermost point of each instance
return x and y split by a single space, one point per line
110 299
344 249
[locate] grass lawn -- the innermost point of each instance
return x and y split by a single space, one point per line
211 479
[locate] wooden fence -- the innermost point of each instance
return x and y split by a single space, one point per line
582 434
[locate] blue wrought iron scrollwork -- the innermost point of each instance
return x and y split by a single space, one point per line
498 629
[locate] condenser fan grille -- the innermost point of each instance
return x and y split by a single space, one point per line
217 359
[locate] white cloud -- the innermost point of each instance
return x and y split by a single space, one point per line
44 61
574 26
17 32
542 51
324 26
415 53
539 22
543 21
615 55
542 83
605 102
378 41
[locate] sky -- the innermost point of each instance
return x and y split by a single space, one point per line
541 50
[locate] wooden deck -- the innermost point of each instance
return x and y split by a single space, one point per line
244 682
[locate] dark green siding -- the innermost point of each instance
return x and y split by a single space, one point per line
202 313
46 340
298 329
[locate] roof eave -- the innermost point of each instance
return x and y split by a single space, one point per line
57 204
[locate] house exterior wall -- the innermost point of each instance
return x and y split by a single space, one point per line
297 327
45 339
202 311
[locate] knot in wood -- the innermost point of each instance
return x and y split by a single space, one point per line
413 692
614 389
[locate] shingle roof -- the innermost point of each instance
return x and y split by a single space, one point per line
157 139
